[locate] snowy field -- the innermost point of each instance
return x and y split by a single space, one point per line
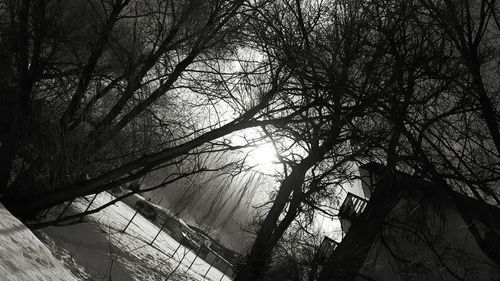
23 257
98 249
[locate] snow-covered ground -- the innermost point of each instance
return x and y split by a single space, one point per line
98 249
25 258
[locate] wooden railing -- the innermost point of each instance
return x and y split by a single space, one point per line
326 249
352 207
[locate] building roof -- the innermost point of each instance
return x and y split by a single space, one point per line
477 208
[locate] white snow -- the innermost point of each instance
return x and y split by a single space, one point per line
23 257
97 249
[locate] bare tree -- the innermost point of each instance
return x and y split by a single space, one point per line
436 126
121 79
323 46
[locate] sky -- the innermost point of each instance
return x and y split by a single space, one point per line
224 206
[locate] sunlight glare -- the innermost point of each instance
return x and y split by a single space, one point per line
262 155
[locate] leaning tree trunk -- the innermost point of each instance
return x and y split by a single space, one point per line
270 231
268 236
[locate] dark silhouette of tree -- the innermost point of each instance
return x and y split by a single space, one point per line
96 94
421 83
472 27
332 71
444 134
94 105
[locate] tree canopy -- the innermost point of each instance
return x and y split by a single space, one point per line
99 93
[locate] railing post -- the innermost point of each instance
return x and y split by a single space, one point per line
130 221
211 264
195 257
178 247
88 207
223 274
161 229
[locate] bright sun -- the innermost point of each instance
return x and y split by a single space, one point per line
263 154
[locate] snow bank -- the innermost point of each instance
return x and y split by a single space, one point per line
23 257
99 249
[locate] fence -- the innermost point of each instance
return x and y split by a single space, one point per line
208 255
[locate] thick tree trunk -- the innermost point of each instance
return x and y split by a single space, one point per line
266 238
270 232
468 44
487 109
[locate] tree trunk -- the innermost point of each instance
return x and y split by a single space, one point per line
266 238
487 109
270 231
